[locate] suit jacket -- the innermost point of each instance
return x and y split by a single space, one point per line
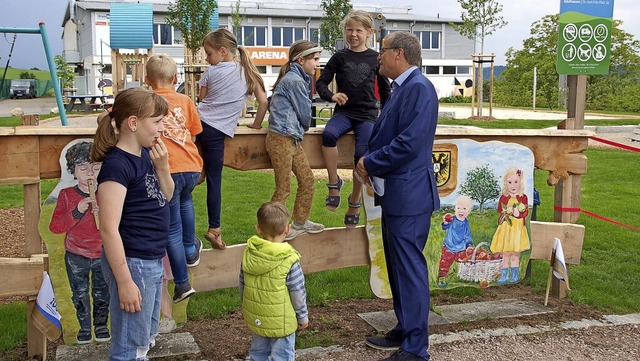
400 149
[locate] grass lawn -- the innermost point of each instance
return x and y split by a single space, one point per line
606 277
14 73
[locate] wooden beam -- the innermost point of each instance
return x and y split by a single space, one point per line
21 276
554 150
33 242
19 180
558 151
36 341
336 248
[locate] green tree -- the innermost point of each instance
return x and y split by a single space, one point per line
616 90
331 25
539 51
65 72
480 18
193 19
481 185
237 18
27 75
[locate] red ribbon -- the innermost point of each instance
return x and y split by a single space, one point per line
619 145
576 210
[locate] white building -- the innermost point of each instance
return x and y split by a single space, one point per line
269 28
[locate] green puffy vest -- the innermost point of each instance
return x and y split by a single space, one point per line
266 305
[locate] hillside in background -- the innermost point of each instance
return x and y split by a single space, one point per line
14 73
497 70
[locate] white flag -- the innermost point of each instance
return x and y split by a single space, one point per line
45 315
560 267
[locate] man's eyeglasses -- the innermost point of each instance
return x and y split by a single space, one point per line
384 50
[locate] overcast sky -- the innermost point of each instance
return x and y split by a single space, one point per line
520 14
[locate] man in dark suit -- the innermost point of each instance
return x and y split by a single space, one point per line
399 153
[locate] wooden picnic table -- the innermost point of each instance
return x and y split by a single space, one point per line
85 103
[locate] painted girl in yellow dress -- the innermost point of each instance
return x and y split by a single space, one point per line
511 236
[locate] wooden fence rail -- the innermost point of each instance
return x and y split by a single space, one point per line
30 154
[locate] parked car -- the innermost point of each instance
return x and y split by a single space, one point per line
22 88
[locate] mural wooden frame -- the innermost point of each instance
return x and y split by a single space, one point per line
29 154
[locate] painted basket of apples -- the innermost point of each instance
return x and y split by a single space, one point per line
479 265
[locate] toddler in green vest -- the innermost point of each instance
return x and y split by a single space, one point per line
270 277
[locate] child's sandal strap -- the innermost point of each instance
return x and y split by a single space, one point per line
353 204
338 185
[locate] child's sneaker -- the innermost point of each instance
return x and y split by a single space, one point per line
182 292
84 337
102 334
194 260
307 227
166 325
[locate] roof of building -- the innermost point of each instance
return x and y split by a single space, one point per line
280 8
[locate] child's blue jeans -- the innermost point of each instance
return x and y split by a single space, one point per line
279 348
133 333
182 231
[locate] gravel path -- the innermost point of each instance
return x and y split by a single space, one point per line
621 342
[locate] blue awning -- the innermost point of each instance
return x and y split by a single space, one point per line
131 26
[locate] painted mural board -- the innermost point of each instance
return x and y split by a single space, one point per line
69 227
479 232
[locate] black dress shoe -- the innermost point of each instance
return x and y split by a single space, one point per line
402 355
386 343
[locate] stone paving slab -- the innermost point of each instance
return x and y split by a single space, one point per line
178 345
383 321
475 311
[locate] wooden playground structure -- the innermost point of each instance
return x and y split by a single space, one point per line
30 154
128 69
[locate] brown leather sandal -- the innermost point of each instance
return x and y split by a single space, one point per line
214 237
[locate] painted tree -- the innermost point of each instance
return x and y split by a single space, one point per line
331 25
481 185
480 18
193 19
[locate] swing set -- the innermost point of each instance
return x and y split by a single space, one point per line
52 68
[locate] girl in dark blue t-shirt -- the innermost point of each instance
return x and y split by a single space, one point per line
134 216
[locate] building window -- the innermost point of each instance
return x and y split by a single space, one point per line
314 35
431 70
253 36
430 40
463 70
449 70
162 34
285 36
177 37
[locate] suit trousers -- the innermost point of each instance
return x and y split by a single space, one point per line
404 239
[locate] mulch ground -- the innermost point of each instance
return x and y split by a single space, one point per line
335 323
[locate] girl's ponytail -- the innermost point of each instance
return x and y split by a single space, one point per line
250 72
105 138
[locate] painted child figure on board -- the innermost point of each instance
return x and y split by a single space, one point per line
457 239
511 237
76 216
